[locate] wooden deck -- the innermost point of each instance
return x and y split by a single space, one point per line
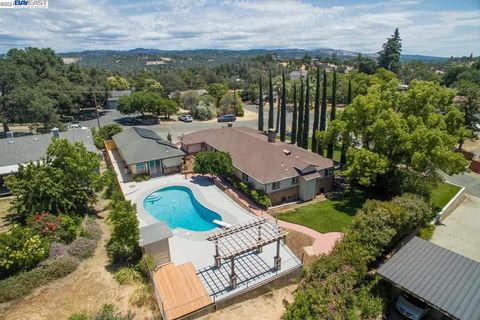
181 291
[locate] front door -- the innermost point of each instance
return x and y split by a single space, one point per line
153 168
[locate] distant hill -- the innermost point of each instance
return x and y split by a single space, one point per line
140 58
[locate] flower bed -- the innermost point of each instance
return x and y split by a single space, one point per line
258 196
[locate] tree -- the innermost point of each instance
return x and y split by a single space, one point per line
293 138
189 99
118 83
300 116
333 111
260 105
389 57
203 111
306 116
323 111
316 113
65 182
270 103
283 111
365 65
231 103
470 104
105 133
277 126
215 163
217 90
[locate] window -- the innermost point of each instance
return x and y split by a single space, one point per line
245 177
294 180
328 172
276 185
141 167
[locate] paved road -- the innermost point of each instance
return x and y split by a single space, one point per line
471 182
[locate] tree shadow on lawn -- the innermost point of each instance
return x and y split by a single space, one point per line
352 200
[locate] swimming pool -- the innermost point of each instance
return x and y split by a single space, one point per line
178 207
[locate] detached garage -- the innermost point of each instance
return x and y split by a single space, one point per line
445 280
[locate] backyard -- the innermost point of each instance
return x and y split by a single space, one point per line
333 215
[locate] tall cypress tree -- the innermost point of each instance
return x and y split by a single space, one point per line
283 111
270 103
349 93
316 112
306 116
333 111
293 138
300 117
323 111
260 105
277 126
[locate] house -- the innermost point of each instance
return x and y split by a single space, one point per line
114 96
143 151
283 171
25 149
298 74
446 281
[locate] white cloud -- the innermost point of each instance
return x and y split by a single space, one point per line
239 24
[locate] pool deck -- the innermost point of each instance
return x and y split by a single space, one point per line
252 269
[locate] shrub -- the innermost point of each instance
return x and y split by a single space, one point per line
23 283
258 196
82 248
91 230
105 133
109 180
426 232
128 276
21 250
141 177
239 112
142 296
56 227
203 111
123 244
57 250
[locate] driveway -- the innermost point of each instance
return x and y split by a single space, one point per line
460 231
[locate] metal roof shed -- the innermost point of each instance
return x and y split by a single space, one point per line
447 281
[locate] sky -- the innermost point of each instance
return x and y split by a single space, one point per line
429 27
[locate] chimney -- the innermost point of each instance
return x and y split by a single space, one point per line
9 135
56 133
271 135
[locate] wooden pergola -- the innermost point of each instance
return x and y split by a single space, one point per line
243 238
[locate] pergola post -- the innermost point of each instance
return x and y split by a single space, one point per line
259 239
277 260
233 276
218 259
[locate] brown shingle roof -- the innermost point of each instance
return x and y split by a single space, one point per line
264 161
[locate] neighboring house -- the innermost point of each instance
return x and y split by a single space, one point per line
113 96
447 281
22 150
145 152
283 171
297 75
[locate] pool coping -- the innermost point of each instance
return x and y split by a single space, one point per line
147 219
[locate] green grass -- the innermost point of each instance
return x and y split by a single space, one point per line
441 195
329 215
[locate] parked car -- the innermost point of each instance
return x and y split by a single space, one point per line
227 118
185 118
411 307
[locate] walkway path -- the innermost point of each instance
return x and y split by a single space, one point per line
323 242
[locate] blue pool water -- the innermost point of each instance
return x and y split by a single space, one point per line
178 207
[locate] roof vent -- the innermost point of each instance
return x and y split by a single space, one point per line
11 141
287 152
271 135
9 134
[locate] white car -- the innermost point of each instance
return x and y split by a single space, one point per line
411 307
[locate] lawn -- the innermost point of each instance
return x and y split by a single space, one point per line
329 215
442 194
